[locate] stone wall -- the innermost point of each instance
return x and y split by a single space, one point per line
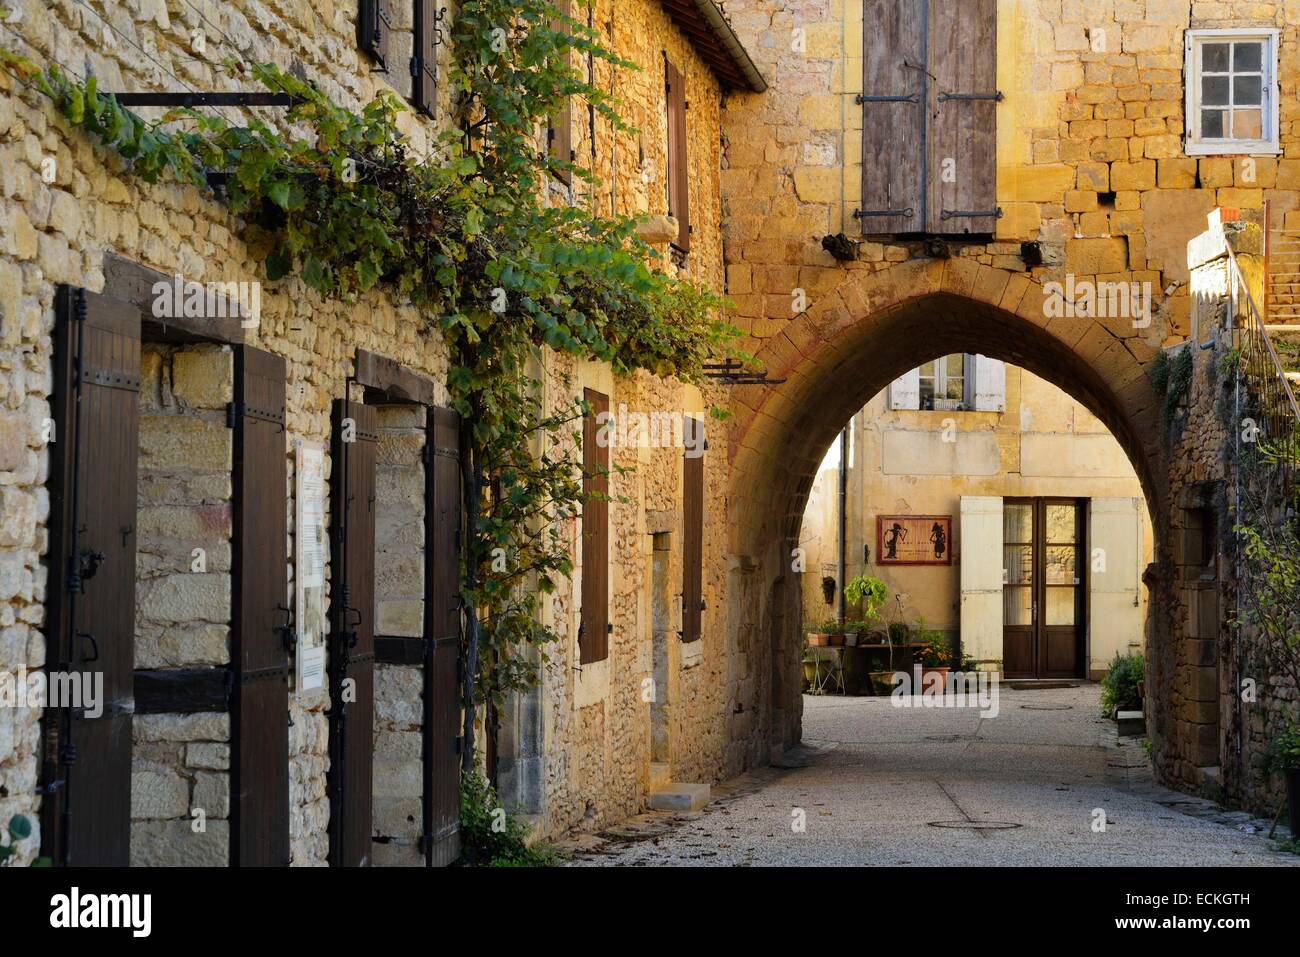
399 600
595 757
183 589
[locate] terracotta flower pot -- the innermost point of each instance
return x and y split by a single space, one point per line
818 640
941 672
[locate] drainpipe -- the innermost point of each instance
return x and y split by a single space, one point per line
844 498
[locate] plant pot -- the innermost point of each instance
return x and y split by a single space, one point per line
809 674
835 641
1293 800
882 682
818 639
943 678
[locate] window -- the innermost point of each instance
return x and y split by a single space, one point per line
593 631
929 121
952 383
679 181
1232 95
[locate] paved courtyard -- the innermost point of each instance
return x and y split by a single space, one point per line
882 785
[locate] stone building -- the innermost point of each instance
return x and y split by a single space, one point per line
1060 146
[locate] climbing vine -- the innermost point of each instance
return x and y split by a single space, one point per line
345 204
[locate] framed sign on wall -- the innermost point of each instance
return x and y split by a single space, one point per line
913 539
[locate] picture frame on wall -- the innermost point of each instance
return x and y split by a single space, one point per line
913 539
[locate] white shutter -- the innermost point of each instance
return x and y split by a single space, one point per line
905 391
990 384
1117 547
981 576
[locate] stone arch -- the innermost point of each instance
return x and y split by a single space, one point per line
856 340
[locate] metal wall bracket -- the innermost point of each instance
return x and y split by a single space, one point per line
971 213
204 99
868 213
996 96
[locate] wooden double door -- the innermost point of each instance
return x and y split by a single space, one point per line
1044 589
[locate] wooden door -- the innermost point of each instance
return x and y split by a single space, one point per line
442 711
1043 588
86 770
259 708
352 633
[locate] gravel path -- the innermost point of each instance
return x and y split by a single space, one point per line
894 786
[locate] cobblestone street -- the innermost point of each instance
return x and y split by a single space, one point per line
890 786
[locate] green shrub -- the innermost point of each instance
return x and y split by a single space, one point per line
489 837
1119 689
1283 752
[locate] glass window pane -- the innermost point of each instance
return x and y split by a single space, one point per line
1061 561
1062 521
1017 564
1060 606
1214 124
1017 522
1214 57
1017 605
1247 57
1247 124
1246 90
1214 91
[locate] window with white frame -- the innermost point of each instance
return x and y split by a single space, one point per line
952 383
1232 93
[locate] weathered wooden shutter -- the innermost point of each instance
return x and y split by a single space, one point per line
352 638
593 633
442 711
424 65
559 131
86 809
259 709
693 530
679 174
893 117
990 390
905 391
981 577
962 193
374 23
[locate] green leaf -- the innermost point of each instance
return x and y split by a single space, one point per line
20 827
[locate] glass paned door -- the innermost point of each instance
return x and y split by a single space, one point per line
1043 587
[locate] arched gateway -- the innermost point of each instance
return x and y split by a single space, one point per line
850 345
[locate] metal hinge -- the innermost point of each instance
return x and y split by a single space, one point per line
862 98
236 409
970 213
996 95
867 213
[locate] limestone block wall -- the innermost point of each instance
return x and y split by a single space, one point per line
59 232
183 589
399 600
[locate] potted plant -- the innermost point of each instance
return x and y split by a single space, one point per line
869 593
1119 689
826 633
1283 756
934 655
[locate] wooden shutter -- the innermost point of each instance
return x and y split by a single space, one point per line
352 637
374 23
593 633
86 809
442 711
259 712
693 530
559 131
905 391
963 111
679 179
990 390
894 86
424 65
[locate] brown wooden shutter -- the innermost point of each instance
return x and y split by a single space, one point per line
593 633
442 710
374 23
259 710
86 810
424 65
679 181
559 131
693 530
963 117
352 638
893 117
